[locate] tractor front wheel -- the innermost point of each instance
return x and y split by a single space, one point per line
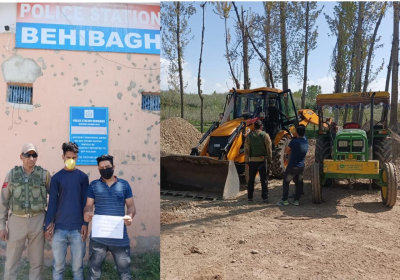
389 187
323 151
316 183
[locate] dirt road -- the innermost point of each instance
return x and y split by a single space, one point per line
349 236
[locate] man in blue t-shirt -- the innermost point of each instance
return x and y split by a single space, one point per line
297 149
67 199
109 195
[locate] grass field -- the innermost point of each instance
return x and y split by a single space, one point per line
144 266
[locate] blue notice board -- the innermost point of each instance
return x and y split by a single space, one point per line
88 127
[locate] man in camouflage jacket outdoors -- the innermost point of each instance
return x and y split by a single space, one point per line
24 193
258 155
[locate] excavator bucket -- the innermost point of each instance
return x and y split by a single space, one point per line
208 176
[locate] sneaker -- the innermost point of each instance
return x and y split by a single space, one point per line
250 200
296 203
283 203
265 200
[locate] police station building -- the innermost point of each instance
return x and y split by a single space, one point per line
87 73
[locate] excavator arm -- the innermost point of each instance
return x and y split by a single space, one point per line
307 116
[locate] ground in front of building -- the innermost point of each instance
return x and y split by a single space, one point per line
144 266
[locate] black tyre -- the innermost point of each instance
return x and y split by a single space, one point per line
389 190
279 160
382 152
316 183
323 150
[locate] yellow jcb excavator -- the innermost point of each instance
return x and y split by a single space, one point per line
214 170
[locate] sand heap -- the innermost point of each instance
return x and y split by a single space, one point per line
178 137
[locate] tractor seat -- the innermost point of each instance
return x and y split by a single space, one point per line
378 126
351 125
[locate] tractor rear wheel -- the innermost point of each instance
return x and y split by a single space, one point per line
316 183
382 152
279 160
323 151
389 190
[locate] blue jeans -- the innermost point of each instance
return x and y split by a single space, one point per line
61 239
98 253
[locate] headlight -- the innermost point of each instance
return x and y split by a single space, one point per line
357 143
343 143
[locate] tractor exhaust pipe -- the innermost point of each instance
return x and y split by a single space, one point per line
371 130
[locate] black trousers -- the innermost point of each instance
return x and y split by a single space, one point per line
295 174
255 167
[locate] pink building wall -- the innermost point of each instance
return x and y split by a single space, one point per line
76 78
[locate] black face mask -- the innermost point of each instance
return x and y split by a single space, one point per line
107 173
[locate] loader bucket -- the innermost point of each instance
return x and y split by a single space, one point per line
200 174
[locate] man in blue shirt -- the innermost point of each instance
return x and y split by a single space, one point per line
68 190
109 195
297 148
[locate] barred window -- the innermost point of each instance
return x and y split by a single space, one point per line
19 94
151 101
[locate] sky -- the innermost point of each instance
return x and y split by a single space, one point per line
215 75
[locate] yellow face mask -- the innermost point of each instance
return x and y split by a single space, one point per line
70 164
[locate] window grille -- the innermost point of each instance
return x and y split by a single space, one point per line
151 102
19 94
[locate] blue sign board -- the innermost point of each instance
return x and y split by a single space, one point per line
87 38
88 127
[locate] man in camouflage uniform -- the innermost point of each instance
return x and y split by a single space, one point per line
24 193
258 155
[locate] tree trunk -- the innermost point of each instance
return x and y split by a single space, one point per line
350 85
198 77
245 44
229 59
267 31
395 65
303 94
284 63
338 66
357 51
178 4
264 60
389 70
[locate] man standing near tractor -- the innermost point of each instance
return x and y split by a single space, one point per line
258 155
297 148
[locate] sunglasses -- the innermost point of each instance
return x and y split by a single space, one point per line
27 155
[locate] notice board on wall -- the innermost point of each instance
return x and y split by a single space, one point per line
88 127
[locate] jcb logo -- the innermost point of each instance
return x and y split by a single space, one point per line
365 94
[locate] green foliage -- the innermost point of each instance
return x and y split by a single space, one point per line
148 266
213 106
145 266
176 35
311 97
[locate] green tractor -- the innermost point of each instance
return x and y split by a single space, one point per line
354 153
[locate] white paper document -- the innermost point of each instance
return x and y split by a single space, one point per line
107 227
